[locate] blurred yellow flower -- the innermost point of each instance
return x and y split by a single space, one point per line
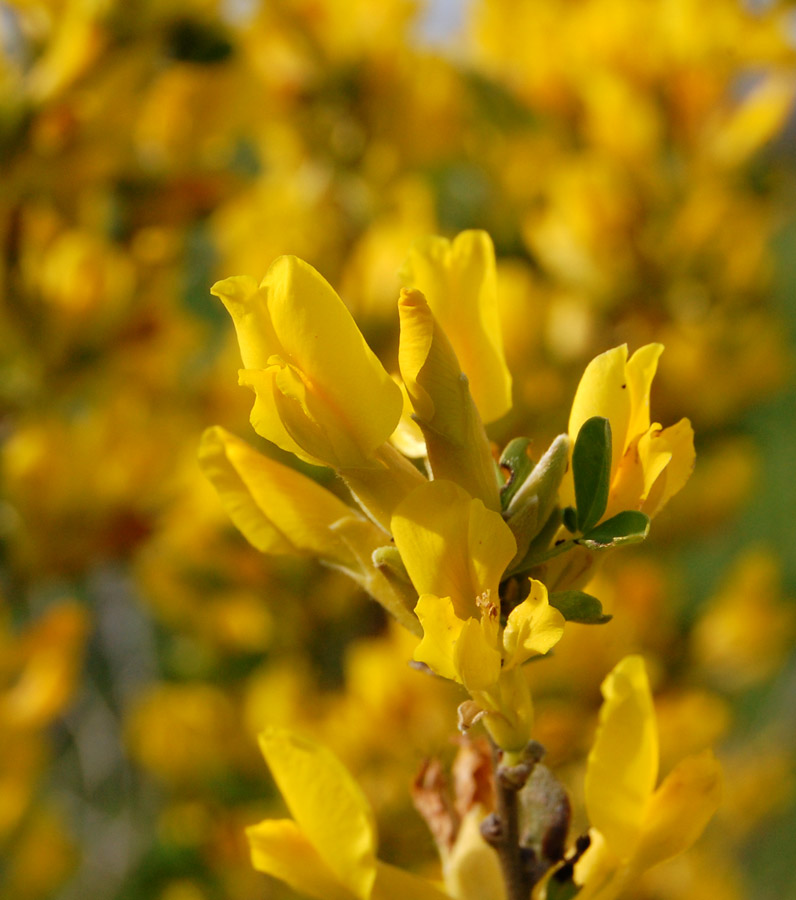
649 464
634 825
328 849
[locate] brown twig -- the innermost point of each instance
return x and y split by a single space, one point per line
501 829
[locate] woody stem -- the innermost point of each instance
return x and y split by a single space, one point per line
502 829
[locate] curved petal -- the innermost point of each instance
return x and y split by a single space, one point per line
603 391
472 871
459 280
320 338
678 441
328 806
248 307
641 368
279 848
679 810
457 445
623 762
277 509
294 322
532 627
452 545
477 662
441 630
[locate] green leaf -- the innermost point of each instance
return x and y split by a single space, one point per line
515 458
570 518
628 527
562 890
591 470
577 606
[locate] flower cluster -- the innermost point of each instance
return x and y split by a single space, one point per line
469 548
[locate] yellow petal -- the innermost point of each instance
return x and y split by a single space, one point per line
679 810
441 630
458 279
641 368
248 306
476 660
393 883
509 710
407 437
532 627
677 440
381 485
296 316
472 871
279 848
456 443
603 391
266 419
599 870
452 546
277 509
623 762
328 806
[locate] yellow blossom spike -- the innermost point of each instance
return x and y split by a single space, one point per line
328 807
277 509
279 848
623 762
679 810
457 446
304 355
452 545
459 281
533 627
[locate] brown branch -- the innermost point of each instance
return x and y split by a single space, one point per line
501 830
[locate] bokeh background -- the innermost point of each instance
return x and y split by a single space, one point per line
635 165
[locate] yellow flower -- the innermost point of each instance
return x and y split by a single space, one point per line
649 464
458 279
280 511
455 551
320 391
328 849
634 825
456 443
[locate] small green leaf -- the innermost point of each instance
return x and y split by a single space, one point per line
577 606
629 527
562 890
591 470
515 458
570 519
